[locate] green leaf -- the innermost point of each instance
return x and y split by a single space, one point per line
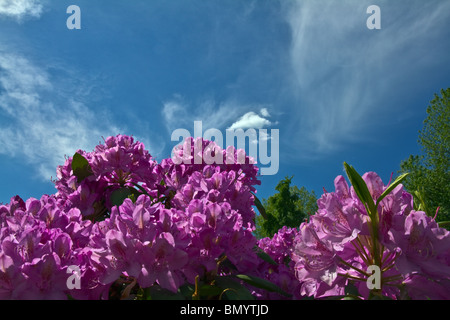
262 284
378 296
155 292
141 189
227 264
421 203
264 256
443 224
329 298
260 207
391 187
351 297
351 290
118 196
80 167
233 290
361 189
132 197
208 290
186 290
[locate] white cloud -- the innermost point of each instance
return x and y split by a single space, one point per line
21 8
250 120
40 127
265 113
179 115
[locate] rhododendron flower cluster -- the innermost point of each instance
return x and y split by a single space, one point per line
282 270
337 246
38 242
173 223
185 227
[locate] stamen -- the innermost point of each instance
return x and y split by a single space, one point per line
354 268
361 252
346 275
437 209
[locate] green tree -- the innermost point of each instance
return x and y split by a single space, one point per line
289 207
429 179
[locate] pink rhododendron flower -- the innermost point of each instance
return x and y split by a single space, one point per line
335 248
120 217
177 224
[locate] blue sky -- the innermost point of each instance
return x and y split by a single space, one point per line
334 89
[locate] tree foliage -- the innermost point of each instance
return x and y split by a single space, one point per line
290 206
429 180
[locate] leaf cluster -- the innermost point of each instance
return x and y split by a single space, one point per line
429 179
289 207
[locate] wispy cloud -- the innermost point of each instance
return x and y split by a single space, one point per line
39 125
20 9
343 74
